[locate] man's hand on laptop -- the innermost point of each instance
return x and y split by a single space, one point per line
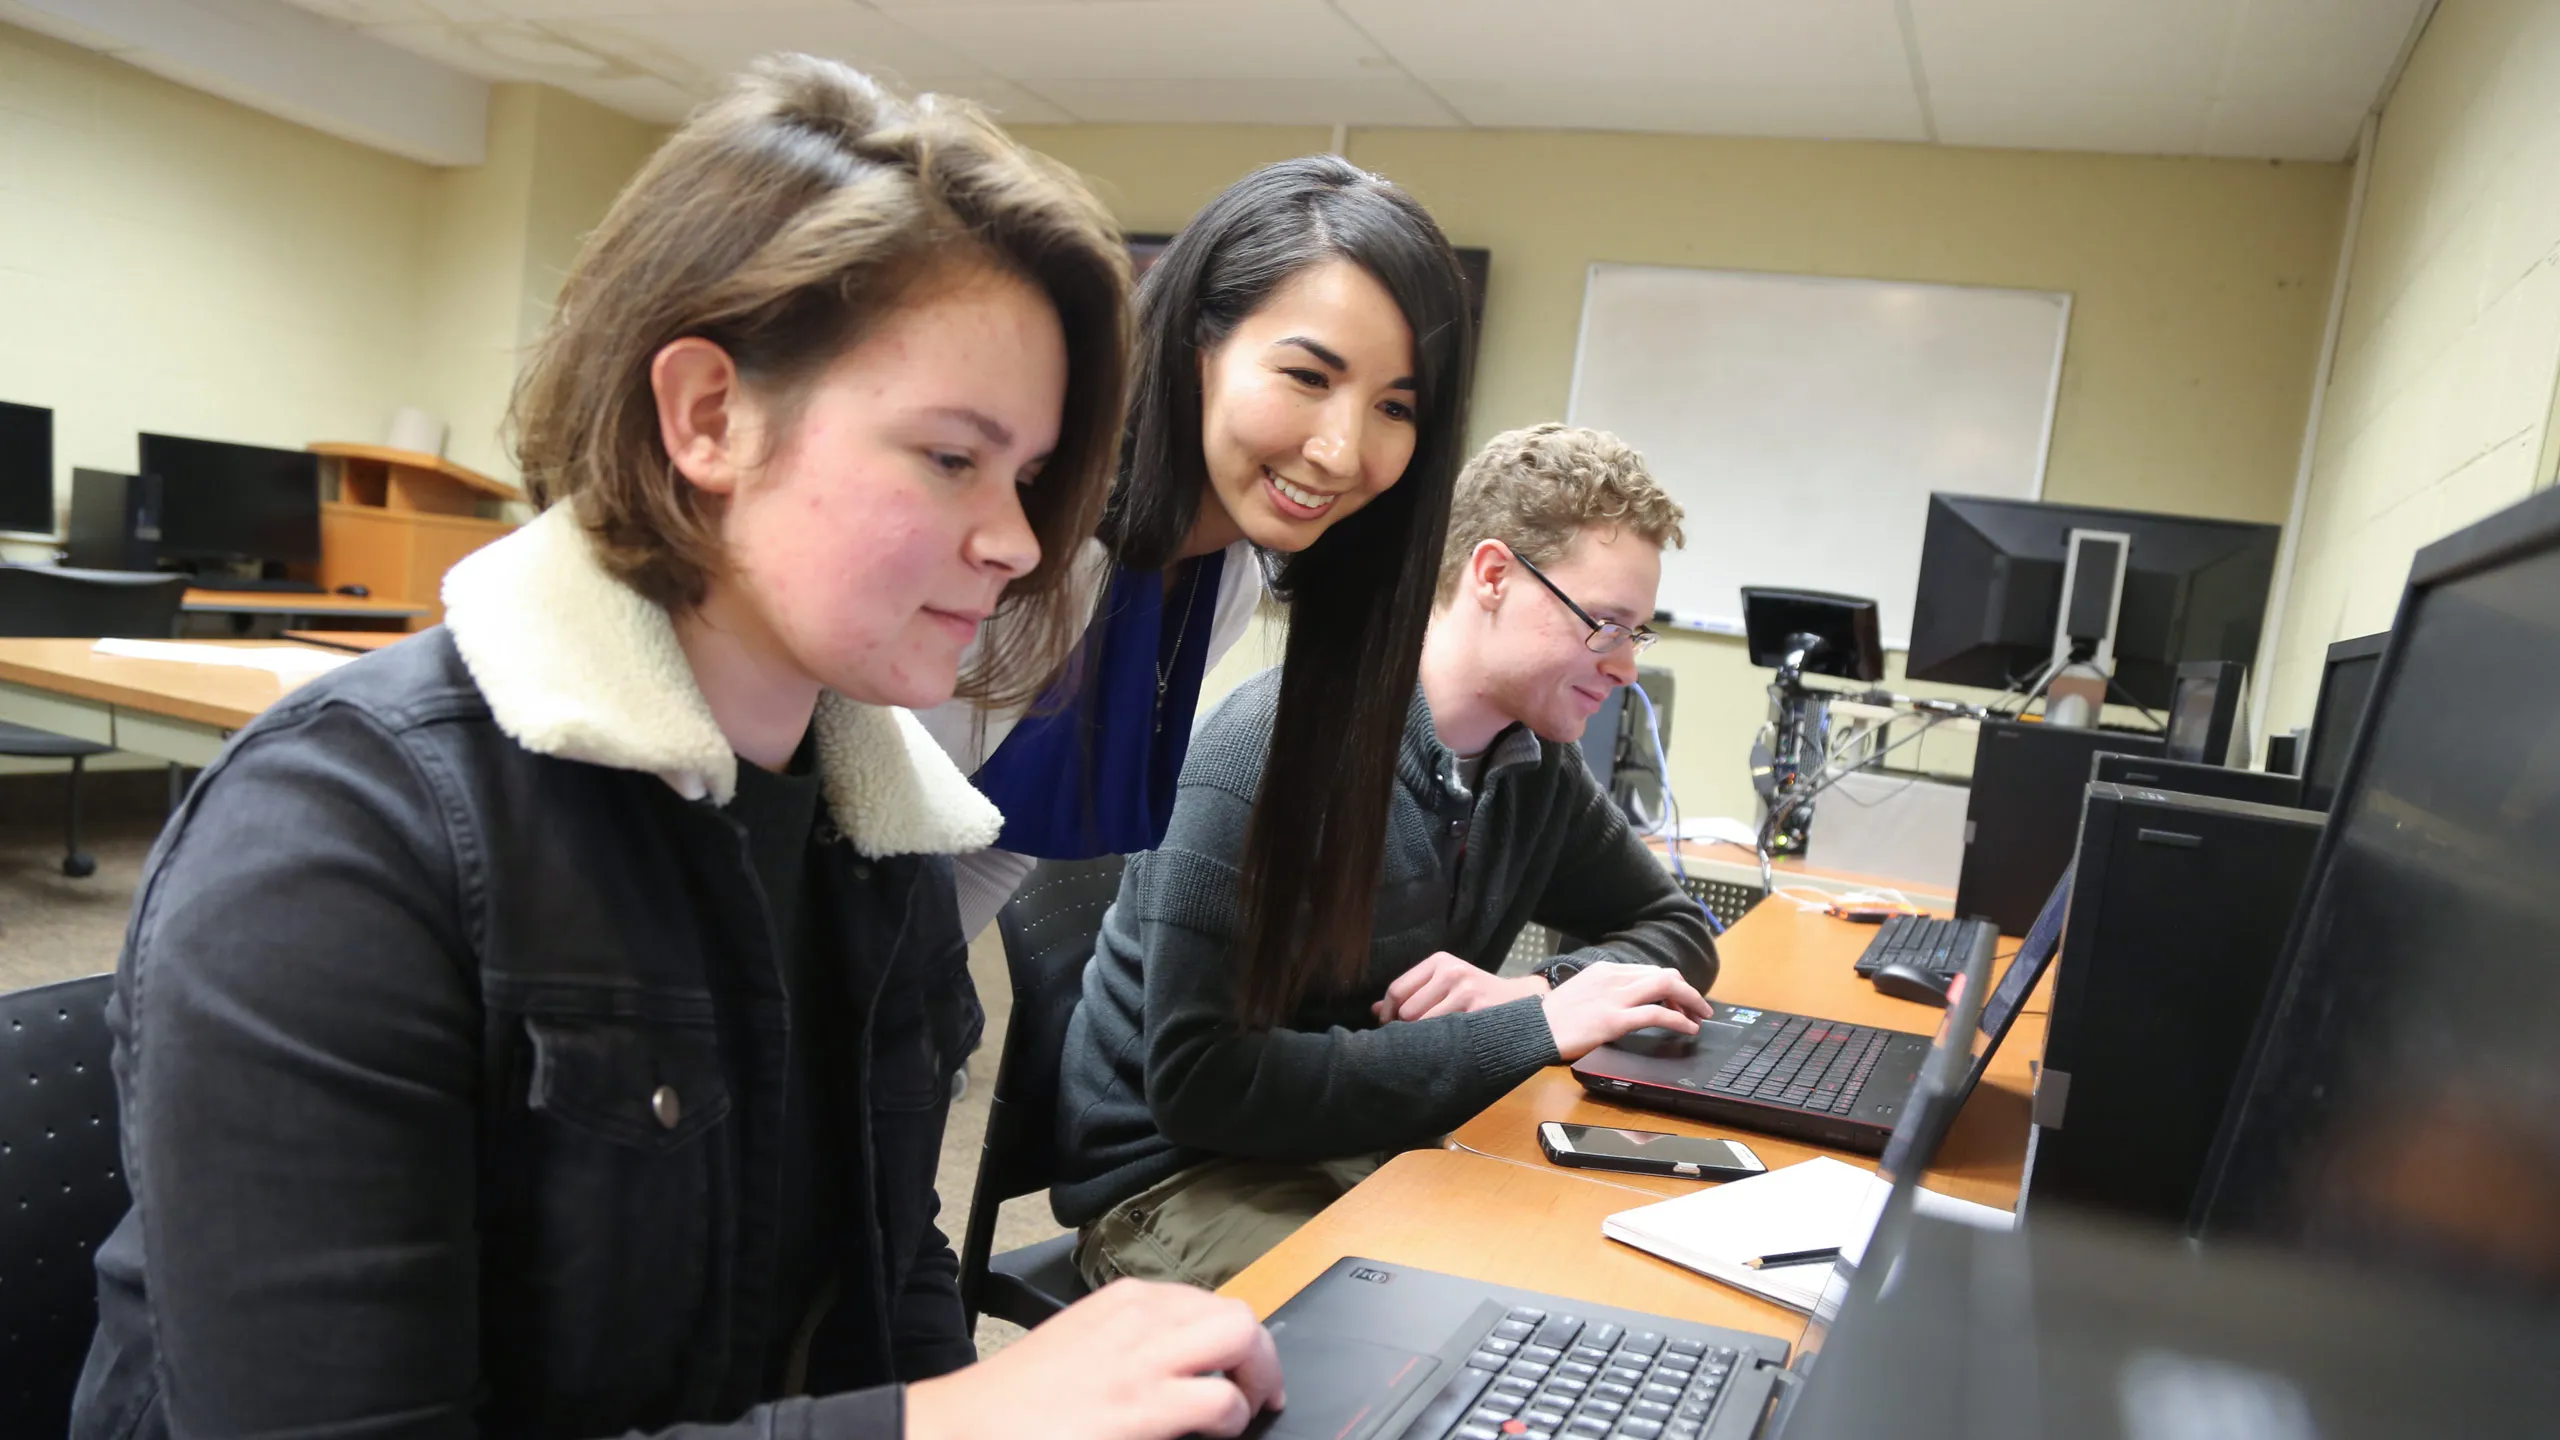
1132 1361
1447 985
1608 1000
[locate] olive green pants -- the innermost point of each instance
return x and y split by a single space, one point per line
1205 1224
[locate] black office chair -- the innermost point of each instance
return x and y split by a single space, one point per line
1048 931
62 1192
51 600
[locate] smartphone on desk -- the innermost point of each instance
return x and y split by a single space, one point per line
1647 1152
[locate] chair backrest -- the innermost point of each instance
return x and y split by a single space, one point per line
57 600
61 1192
1048 928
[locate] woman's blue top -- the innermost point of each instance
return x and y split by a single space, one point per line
1096 777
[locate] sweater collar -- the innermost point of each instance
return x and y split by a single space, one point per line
578 666
1426 763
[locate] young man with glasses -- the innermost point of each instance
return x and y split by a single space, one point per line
1195 1136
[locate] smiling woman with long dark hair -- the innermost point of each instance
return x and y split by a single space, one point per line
1297 417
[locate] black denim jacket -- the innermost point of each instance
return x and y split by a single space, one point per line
452 1079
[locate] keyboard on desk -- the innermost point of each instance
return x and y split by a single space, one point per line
1805 1064
1537 1375
1923 942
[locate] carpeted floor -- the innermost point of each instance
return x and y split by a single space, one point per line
54 928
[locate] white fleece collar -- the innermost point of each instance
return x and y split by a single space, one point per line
575 664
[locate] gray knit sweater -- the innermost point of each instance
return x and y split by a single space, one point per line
1158 1075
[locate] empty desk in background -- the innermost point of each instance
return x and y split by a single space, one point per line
165 709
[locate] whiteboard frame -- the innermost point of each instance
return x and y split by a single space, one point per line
2052 379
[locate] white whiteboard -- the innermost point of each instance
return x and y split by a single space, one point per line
1802 421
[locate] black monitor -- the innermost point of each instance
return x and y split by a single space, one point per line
26 469
225 502
2401 1105
1850 648
2204 706
2346 681
1991 589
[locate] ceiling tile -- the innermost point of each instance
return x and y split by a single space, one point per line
2342 49
1008 102
1250 102
2124 122
702 50
402 12
2287 129
505 50
644 9
1173 40
2057 46
1832 113
1838 43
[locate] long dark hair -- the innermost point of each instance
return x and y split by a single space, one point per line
1359 597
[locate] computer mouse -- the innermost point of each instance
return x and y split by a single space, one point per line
1909 982
358 591
1657 1040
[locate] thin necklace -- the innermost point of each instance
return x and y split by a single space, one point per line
1165 666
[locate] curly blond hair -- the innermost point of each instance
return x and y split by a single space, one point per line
1536 489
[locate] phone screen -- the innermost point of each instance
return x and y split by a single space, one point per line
1654 1145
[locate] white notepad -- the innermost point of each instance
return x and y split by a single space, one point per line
1819 1204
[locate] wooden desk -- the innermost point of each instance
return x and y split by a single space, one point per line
291 602
1505 1224
161 708
361 641
1496 1210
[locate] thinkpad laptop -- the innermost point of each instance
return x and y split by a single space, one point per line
1803 1077
1516 1363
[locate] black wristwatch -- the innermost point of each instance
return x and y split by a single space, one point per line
1559 971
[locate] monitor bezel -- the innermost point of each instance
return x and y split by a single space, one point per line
2526 528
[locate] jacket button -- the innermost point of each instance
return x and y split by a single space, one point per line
666 1106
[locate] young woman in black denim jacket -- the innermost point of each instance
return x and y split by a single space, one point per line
544 1026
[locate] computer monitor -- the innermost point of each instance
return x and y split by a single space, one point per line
1850 648
2346 680
225 502
2401 1106
26 469
2204 706
1990 594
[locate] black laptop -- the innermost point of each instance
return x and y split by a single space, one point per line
1516 1363
1803 1077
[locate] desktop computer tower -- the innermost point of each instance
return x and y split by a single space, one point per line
2023 812
115 521
2194 777
2178 911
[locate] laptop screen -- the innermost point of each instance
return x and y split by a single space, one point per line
1935 1097
2025 968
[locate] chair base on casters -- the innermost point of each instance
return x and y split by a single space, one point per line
1029 1285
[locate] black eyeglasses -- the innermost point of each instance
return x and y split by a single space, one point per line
1607 636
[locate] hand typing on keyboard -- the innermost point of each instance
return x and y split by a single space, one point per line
1132 1361
1608 1000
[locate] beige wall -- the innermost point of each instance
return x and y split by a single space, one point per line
177 263
2441 404
502 236
2199 291
172 261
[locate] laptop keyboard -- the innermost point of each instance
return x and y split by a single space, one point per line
1804 1063
1922 942
1542 1376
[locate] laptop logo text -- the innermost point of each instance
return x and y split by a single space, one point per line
1374 1277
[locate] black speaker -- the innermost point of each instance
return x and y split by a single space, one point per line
2023 811
2179 905
115 521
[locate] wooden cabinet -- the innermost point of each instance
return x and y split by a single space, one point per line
401 519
